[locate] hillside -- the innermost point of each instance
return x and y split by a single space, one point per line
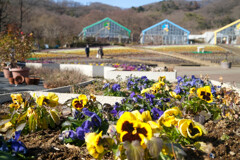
59 22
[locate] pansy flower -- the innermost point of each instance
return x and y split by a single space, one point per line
189 128
51 100
92 97
157 113
17 98
116 87
175 95
5 127
205 94
80 102
161 78
130 128
192 90
106 85
14 105
169 117
94 146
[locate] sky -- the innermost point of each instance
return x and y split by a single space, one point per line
120 3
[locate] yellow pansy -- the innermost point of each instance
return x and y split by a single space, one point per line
161 78
205 94
137 114
146 116
130 128
17 98
169 117
92 97
93 144
147 90
14 105
189 128
51 100
83 99
175 95
80 102
5 127
192 90
39 100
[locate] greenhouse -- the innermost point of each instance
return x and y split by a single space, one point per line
229 34
165 33
106 29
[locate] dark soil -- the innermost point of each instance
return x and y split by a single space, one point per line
224 136
46 145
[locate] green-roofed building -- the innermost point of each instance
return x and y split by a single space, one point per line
106 29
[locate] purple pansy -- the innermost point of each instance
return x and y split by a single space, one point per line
157 113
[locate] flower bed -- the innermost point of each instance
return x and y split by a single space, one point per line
108 72
155 119
188 48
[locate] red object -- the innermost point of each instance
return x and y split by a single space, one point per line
19 71
7 73
11 80
19 79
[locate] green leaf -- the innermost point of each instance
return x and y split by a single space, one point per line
134 150
32 123
154 145
66 124
54 115
44 123
6 156
51 122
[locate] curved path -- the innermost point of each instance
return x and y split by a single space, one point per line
180 56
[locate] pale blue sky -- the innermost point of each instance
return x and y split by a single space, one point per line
120 3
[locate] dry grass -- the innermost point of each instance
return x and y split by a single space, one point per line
57 78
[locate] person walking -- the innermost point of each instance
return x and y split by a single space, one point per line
100 52
87 50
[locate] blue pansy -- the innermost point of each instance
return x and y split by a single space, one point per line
157 113
150 97
17 146
106 85
96 120
86 124
87 112
116 87
132 94
3 145
81 133
114 112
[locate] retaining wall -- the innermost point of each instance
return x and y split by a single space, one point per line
107 72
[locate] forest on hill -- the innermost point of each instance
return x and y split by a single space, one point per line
59 22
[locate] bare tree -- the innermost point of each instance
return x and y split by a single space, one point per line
3 13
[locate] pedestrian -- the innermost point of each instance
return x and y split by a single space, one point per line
100 52
87 50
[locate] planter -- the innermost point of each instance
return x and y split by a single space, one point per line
29 80
7 73
19 79
47 86
36 81
20 72
226 65
11 80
